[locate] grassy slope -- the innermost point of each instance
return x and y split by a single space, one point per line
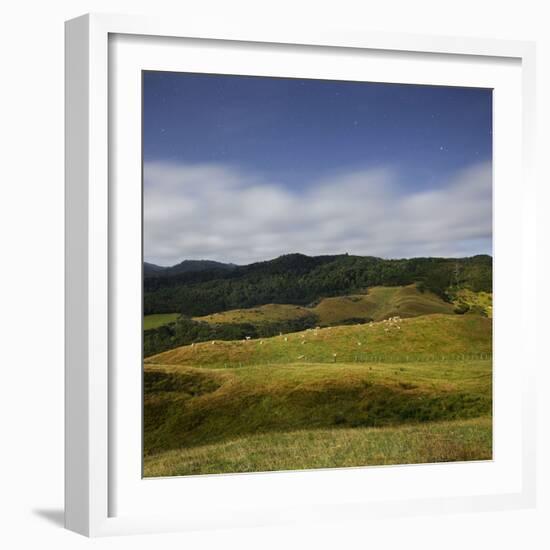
186 406
378 303
288 387
158 319
414 337
381 303
332 448
255 315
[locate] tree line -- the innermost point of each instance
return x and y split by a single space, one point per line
300 280
185 331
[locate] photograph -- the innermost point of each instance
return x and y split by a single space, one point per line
317 274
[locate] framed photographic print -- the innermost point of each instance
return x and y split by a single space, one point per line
289 257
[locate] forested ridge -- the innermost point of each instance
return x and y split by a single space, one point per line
299 279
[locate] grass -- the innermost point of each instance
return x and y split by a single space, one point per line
310 400
188 406
268 313
158 319
381 303
377 304
416 337
331 448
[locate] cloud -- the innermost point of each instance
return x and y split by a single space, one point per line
222 213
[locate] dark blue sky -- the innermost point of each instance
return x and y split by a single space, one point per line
241 169
296 131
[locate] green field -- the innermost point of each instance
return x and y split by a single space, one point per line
401 391
450 441
418 337
158 319
376 304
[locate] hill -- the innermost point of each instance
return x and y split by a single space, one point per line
152 270
186 266
300 280
376 304
414 337
187 406
389 392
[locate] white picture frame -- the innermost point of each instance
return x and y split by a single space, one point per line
99 499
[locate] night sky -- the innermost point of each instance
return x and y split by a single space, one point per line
243 168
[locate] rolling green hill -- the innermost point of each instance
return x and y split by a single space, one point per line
376 304
395 391
208 405
417 336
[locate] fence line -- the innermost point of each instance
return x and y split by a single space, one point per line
364 358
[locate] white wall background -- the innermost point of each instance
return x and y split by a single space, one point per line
31 260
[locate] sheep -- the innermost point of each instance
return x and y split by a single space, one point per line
247 337
301 356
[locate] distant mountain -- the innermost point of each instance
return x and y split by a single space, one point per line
187 266
298 279
150 270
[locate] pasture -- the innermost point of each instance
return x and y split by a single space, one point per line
377 303
158 319
312 400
